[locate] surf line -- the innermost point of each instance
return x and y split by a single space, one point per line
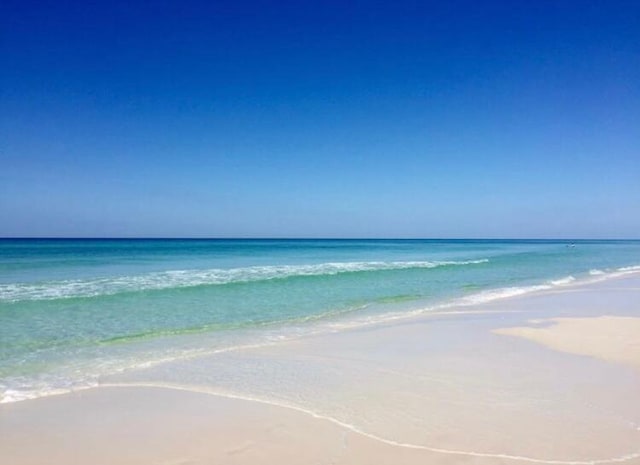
355 429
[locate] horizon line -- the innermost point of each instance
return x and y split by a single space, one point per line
303 238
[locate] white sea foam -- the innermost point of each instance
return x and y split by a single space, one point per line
505 292
563 281
600 275
632 268
501 293
13 395
191 278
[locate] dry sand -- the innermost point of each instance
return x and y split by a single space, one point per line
611 338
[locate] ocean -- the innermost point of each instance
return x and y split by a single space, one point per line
73 311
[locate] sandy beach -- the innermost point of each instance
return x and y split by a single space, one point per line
320 233
550 378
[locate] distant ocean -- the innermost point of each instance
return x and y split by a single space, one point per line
73 311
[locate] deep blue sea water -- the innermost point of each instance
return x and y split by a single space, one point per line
73 311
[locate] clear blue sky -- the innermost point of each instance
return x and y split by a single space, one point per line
320 119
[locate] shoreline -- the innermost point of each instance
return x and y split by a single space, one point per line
447 388
497 303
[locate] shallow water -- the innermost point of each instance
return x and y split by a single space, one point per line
74 311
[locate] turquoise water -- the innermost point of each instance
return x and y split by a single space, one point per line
73 311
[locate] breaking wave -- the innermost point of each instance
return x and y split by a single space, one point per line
51 290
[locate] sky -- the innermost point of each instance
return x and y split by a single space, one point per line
396 119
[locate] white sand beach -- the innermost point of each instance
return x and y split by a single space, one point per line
549 378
